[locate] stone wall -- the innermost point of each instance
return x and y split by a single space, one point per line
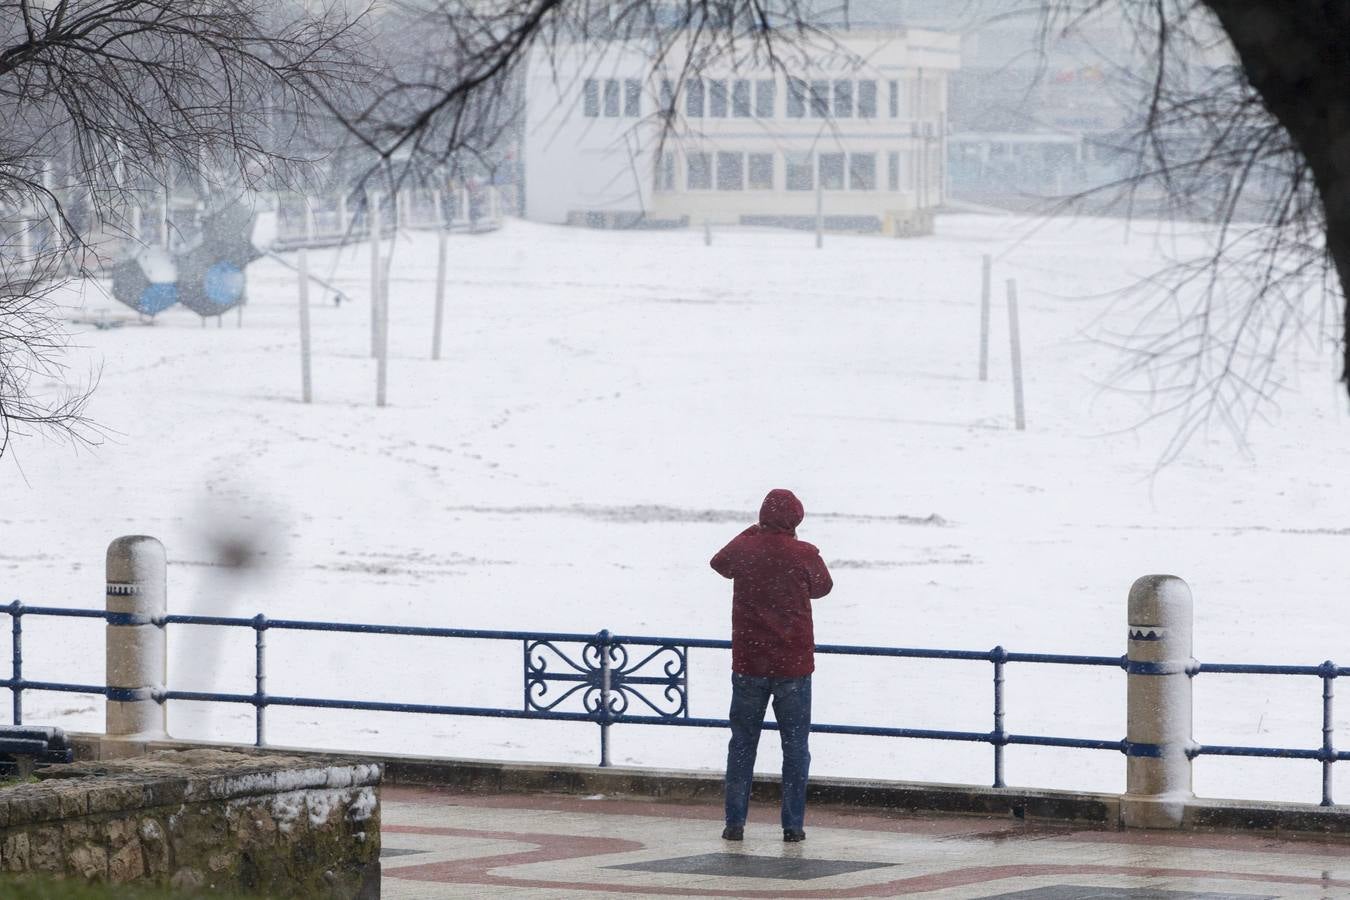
201 819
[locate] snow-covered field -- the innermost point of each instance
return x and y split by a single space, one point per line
609 410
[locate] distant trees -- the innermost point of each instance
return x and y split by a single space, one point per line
453 80
1243 120
99 100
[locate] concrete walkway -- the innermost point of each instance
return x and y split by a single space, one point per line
444 844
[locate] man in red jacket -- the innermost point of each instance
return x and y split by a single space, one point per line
775 578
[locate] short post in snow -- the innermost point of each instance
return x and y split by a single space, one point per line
1015 337
1158 725
382 336
820 213
442 251
373 224
306 383
137 573
986 289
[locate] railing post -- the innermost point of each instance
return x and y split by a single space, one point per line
999 737
259 678
16 691
1328 728
136 652
605 672
1158 730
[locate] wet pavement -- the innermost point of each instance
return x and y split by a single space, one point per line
447 844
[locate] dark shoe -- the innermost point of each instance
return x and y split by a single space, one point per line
792 836
733 833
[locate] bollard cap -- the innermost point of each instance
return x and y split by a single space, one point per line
136 559
1161 600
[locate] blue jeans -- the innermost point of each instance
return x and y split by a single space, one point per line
750 696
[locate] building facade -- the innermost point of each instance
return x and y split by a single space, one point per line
855 133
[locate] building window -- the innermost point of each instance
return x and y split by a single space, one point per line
699 174
843 99
832 171
667 96
894 99
761 171
590 92
820 99
717 98
893 170
731 171
796 98
867 99
693 98
665 172
765 98
740 98
632 98
801 171
612 98
862 171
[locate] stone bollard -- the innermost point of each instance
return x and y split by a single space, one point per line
1158 728
137 571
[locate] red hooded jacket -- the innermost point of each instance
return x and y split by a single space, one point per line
775 579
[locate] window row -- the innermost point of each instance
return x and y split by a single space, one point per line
603 95
720 98
734 171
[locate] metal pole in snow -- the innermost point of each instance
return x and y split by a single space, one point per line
167 201
302 265
1019 411
373 223
985 291
382 365
26 257
441 252
820 212
707 233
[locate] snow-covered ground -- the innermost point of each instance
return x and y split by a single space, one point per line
609 410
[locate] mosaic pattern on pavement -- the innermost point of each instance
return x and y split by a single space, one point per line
442 844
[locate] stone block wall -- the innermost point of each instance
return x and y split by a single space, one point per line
202 820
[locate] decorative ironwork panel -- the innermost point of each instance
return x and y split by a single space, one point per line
606 680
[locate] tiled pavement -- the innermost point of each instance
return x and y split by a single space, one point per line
444 844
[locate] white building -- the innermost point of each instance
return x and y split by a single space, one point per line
859 130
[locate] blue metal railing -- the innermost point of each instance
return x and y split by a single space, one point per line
1328 672
605 680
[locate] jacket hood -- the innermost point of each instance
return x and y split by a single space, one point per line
781 512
